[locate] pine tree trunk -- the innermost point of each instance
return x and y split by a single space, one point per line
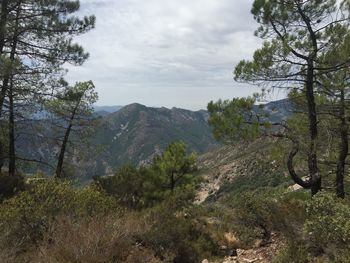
172 181
312 115
60 161
62 152
3 22
5 87
343 149
12 152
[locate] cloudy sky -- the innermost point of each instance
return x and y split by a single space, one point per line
166 52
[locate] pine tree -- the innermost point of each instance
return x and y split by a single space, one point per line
297 36
37 35
73 110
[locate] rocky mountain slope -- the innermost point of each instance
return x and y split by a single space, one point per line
135 133
240 167
230 171
130 134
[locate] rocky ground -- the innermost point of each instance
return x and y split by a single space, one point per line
224 165
262 253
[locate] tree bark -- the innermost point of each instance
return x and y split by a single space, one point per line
290 165
312 116
6 82
314 183
172 181
3 22
315 177
63 151
12 152
60 161
343 149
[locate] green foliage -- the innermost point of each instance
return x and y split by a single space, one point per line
73 108
327 224
292 55
25 217
147 186
253 216
256 214
293 253
259 174
126 185
78 99
236 119
7 65
323 231
172 228
174 167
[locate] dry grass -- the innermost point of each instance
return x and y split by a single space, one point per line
87 240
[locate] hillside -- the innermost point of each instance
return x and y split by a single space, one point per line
133 134
136 133
242 208
239 168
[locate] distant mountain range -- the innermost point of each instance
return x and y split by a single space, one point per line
105 110
135 134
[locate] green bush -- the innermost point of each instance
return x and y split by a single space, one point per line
327 226
174 231
25 217
258 213
98 239
126 185
293 253
252 216
322 231
144 187
258 174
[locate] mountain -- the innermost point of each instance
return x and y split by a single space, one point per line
132 134
135 133
105 110
278 110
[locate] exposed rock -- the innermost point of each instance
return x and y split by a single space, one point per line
263 254
294 187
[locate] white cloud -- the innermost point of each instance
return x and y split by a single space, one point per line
166 53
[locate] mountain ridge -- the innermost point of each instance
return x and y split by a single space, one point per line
134 134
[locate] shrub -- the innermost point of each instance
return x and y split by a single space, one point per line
173 231
25 218
89 201
127 185
97 239
144 187
293 253
328 226
256 214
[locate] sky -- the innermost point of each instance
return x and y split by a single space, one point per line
171 53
